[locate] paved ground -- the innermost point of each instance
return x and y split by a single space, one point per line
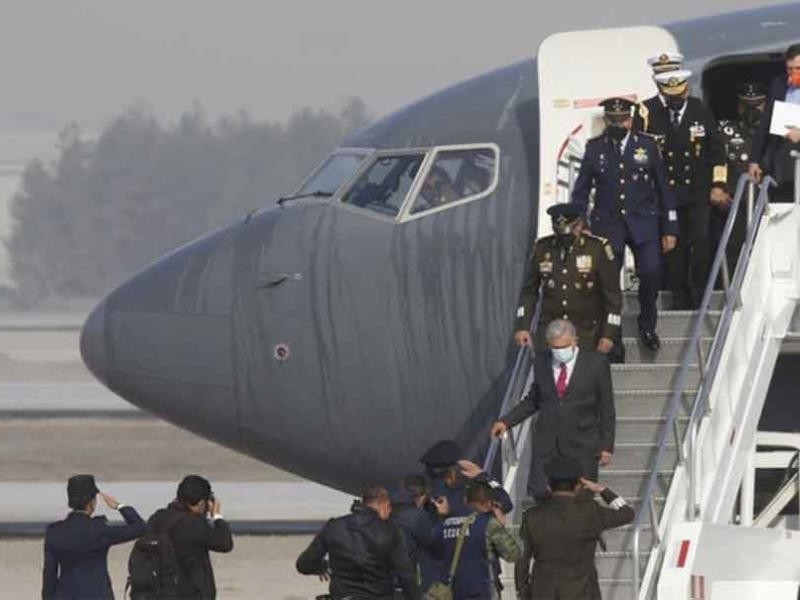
259 568
118 450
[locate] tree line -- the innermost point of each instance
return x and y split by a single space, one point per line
107 207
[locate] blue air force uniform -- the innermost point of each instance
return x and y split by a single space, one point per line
633 204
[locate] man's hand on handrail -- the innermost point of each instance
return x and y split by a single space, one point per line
499 428
523 338
755 172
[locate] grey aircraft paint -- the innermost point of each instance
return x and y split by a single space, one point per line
336 343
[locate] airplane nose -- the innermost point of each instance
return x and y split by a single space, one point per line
92 343
162 340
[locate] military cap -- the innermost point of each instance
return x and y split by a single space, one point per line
617 107
751 93
81 487
673 83
666 61
564 213
442 454
563 468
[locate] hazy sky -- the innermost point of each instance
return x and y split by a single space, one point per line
85 61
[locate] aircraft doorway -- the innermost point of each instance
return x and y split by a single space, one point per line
722 76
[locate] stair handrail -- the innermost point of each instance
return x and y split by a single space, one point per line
514 389
708 369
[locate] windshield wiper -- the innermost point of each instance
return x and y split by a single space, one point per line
314 194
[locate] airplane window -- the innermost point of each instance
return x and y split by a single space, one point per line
384 186
454 176
335 171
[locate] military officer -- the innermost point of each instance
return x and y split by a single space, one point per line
561 534
737 135
633 204
695 158
665 61
579 278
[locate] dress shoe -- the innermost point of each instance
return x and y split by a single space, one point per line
650 339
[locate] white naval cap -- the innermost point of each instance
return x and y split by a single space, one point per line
673 83
666 61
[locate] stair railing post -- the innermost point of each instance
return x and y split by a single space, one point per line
751 200
796 157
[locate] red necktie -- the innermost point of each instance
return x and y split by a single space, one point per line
561 382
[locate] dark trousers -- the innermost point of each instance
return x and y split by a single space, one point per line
736 241
687 264
647 258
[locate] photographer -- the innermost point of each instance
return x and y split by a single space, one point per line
195 526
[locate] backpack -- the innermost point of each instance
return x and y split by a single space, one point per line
153 570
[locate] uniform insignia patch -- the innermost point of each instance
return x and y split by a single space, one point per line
583 262
545 266
728 130
609 252
640 155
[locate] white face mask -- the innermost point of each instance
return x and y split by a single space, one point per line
563 355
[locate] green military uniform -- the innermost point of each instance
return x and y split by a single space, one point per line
561 536
502 542
580 283
737 136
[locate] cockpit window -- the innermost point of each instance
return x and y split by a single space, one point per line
457 175
385 184
332 173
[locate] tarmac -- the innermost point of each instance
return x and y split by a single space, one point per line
259 568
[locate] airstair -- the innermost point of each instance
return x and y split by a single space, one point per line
687 414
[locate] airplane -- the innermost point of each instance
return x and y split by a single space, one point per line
339 333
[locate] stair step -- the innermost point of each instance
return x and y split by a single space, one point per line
649 403
639 456
630 301
617 564
651 376
645 429
678 323
616 589
630 483
672 350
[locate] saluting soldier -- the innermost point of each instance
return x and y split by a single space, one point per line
579 279
633 204
737 135
696 167
561 534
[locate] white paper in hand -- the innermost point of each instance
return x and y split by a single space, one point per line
785 115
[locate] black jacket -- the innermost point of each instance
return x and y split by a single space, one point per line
694 153
417 524
193 536
772 152
580 424
75 552
366 554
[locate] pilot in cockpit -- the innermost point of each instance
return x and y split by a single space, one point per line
437 190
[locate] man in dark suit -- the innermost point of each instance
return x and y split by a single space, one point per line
633 205
573 396
195 525
561 535
76 549
771 153
694 154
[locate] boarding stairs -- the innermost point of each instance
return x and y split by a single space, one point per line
675 458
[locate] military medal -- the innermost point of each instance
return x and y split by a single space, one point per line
583 262
640 156
545 266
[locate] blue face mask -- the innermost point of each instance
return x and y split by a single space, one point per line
563 355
